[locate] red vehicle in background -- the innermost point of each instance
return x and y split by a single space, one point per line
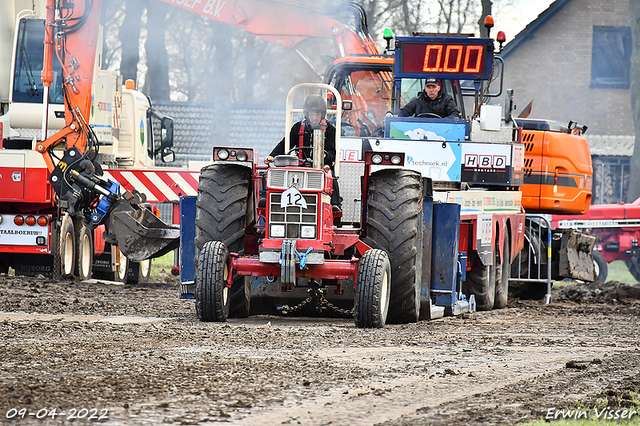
617 230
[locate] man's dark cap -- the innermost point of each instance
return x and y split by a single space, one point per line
432 81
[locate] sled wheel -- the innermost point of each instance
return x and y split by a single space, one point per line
212 293
373 289
502 274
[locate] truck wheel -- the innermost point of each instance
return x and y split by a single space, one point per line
212 294
84 243
502 275
394 224
67 247
144 271
482 283
373 288
139 272
122 266
221 215
601 267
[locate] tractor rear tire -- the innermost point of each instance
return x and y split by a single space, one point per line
502 274
601 267
373 288
481 283
394 224
221 215
212 294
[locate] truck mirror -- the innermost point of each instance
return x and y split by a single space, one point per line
168 155
166 132
347 105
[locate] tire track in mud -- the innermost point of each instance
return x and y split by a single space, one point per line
142 353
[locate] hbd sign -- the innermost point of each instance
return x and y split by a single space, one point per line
472 161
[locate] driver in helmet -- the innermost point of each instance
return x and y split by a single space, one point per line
431 101
315 109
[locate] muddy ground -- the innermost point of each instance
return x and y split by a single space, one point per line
138 355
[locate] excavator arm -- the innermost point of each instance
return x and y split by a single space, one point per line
287 23
71 38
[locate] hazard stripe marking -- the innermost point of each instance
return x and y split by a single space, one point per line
168 192
184 185
135 183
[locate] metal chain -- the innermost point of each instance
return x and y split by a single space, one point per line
334 307
285 309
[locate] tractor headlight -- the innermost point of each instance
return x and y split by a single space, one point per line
308 231
376 158
395 159
241 156
223 154
277 231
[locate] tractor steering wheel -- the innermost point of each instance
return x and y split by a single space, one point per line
304 161
428 115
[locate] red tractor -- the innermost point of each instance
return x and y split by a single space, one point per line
278 223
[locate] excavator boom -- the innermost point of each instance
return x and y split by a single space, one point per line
71 38
286 23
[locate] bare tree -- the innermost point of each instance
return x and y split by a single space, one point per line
486 11
633 192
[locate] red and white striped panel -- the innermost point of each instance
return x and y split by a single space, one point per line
158 185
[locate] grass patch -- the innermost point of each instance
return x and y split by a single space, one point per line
161 268
618 271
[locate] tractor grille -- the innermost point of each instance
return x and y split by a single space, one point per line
293 221
301 179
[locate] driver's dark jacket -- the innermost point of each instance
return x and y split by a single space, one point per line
443 105
294 140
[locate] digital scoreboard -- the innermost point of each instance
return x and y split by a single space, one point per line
440 57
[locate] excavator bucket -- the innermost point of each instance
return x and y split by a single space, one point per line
576 258
141 235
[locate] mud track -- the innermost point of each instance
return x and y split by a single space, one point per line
140 355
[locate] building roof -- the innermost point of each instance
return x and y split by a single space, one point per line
611 145
252 126
529 32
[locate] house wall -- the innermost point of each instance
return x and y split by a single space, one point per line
553 68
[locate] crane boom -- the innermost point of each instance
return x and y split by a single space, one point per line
284 23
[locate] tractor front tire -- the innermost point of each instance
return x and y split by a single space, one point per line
394 224
212 294
502 274
373 288
221 215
